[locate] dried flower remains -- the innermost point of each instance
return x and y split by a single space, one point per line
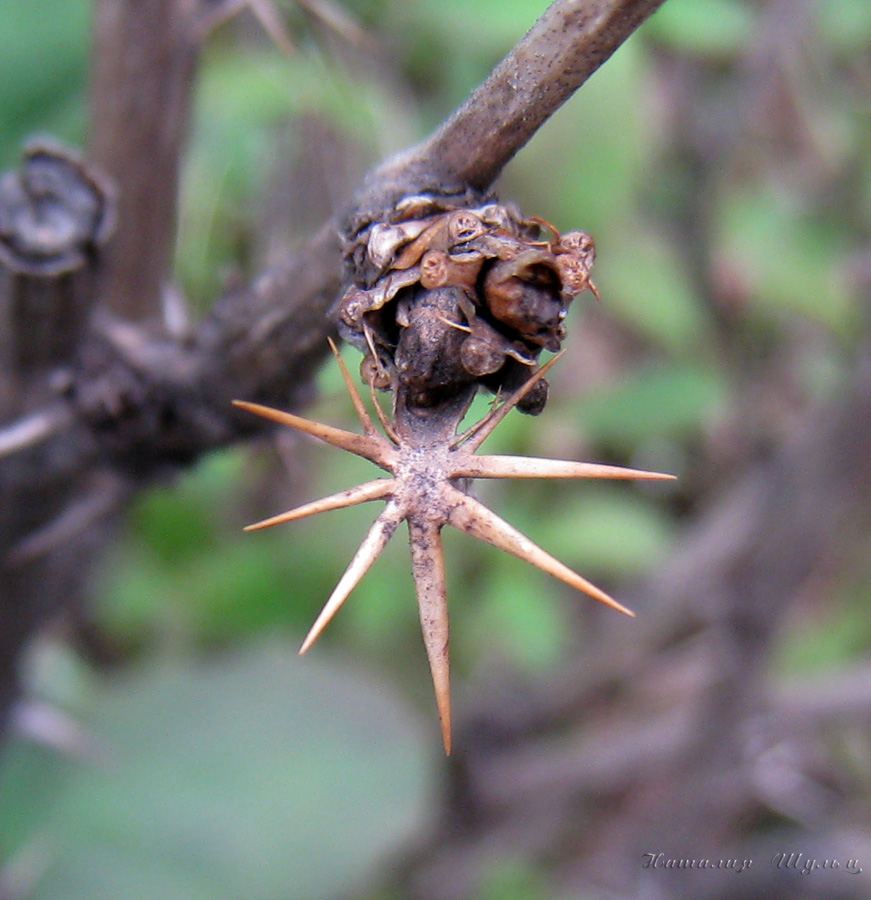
445 301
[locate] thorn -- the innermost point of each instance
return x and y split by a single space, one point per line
374 542
370 343
533 467
372 490
265 11
389 430
369 447
468 515
428 568
356 399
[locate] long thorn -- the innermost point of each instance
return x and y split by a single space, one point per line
374 542
428 568
356 399
533 467
368 446
371 490
476 520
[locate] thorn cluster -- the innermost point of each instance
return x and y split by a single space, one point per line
429 465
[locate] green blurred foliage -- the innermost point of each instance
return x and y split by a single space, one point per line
288 748
43 70
233 777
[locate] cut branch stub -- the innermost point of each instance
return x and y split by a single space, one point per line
55 214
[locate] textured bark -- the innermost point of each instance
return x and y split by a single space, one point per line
55 215
145 56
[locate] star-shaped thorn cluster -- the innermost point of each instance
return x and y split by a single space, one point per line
429 468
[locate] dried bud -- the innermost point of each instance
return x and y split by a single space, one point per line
496 216
536 400
578 242
439 269
383 242
574 272
523 294
417 205
434 269
463 226
480 356
374 373
354 305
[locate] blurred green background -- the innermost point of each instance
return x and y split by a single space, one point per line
186 731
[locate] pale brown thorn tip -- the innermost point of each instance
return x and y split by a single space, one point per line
356 399
533 467
374 542
370 447
371 490
468 515
428 568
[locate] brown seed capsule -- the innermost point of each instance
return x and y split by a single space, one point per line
574 272
524 294
480 356
485 350
440 269
434 269
577 242
374 374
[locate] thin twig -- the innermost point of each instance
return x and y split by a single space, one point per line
103 498
564 47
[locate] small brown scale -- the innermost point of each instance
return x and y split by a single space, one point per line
445 300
